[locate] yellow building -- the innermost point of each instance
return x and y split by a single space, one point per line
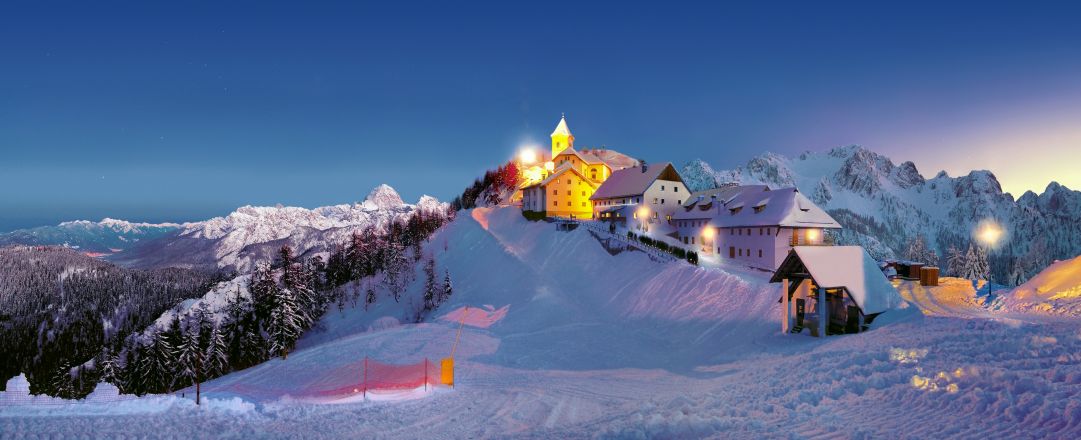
563 186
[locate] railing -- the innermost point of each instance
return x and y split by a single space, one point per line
656 254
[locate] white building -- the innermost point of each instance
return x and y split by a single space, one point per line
751 224
646 195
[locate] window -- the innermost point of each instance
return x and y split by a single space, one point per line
741 232
654 200
662 201
760 253
741 252
568 181
569 204
583 204
555 192
675 189
555 203
692 240
662 187
568 192
679 202
759 208
748 233
583 193
685 240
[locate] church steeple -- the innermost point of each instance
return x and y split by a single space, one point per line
561 137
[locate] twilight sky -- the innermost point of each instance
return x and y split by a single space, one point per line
179 111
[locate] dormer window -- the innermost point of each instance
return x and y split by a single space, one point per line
759 208
736 210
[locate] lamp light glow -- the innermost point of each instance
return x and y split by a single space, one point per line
527 156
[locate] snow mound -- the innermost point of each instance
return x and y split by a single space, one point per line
1056 290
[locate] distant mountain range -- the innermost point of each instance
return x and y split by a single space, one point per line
96 238
233 242
884 206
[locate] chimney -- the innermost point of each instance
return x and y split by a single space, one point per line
644 167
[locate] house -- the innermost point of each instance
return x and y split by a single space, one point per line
832 290
565 193
751 224
563 187
646 193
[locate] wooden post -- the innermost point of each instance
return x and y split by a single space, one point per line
786 320
365 385
823 314
425 374
198 374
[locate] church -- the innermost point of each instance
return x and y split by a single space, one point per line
563 185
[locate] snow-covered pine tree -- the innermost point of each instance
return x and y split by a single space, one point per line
431 291
253 351
395 272
217 358
162 363
448 288
189 357
107 367
285 324
61 380
263 288
982 267
955 261
369 296
919 252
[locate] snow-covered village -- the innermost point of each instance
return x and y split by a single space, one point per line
801 221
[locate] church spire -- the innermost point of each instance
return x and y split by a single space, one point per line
561 137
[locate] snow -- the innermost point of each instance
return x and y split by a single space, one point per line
852 268
590 344
561 128
1057 289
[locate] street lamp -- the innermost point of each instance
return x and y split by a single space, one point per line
527 156
988 233
643 217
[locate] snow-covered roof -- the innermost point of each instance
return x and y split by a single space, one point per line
702 205
633 181
585 157
849 267
562 128
780 207
559 172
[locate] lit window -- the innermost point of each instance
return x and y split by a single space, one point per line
555 192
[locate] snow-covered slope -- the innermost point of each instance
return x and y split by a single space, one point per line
252 233
1056 290
564 340
883 206
105 237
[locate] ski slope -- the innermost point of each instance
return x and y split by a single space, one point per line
568 341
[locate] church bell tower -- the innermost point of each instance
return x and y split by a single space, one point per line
561 137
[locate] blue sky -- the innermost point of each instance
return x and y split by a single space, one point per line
183 111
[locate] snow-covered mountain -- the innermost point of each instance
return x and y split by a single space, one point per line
883 206
105 237
252 233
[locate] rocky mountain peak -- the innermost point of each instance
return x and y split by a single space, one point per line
384 197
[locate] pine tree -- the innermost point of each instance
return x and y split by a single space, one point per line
189 358
919 252
448 289
285 324
955 262
395 273
217 359
264 289
431 292
369 296
161 364
107 366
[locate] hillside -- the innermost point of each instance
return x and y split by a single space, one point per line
253 233
566 340
884 206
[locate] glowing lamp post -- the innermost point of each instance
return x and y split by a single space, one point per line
707 237
989 233
527 156
643 216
